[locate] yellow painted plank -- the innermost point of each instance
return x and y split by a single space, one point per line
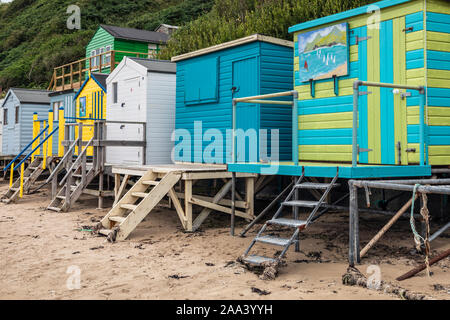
373 100
325 121
437 155
438 36
440 6
326 89
438 83
399 56
414 40
353 53
296 63
438 74
325 152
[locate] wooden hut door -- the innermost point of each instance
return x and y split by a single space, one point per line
382 127
245 83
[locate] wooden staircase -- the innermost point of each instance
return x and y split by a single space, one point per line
30 175
79 175
136 204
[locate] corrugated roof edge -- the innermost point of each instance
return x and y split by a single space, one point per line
344 15
233 43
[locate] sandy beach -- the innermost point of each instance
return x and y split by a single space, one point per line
160 261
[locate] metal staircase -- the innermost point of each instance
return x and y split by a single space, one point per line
30 175
295 224
136 204
79 175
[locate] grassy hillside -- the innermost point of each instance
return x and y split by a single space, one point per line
232 19
34 37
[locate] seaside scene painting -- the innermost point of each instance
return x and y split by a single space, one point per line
323 53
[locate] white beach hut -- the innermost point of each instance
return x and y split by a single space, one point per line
141 90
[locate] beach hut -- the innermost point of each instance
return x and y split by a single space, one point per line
90 105
62 99
208 80
112 43
141 91
402 42
18 108
372 96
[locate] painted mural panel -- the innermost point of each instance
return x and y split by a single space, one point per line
323 53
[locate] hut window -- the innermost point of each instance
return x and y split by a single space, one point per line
17 115
114 92
5 117
92 60
82 107
107 57
201 81
56 106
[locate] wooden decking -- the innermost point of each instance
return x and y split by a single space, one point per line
187 191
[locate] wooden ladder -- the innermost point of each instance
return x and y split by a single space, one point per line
30 175
136 204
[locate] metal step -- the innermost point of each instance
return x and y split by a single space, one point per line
287 222
313 185
128 206
117 219
273 240
257 260
301 203
54 209
139 194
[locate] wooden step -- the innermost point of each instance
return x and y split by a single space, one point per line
139 194
61 197
117 219
150 182
128 206
33 168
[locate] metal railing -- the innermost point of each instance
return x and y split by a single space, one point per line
25 149
260 99
356 94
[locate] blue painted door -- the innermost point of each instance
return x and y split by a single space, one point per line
245 83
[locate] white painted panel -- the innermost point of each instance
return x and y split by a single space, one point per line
130 106
160 117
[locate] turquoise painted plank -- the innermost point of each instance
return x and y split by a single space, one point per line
415 21
437 135
325 137
363 138
438 59
438 22
329 171
414 59
344 15
386 97
437 97
325 105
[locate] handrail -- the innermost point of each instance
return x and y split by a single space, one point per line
359 83
37 147
66 155
76 161
25 149
258 100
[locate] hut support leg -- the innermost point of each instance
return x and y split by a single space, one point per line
188 204
353 255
